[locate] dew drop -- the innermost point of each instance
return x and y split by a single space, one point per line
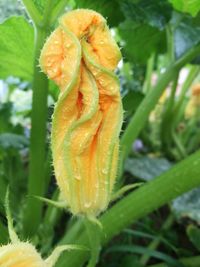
104 171
77 177
87 204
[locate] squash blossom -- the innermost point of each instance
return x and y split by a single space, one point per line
24 254
20 254
194 103
80 56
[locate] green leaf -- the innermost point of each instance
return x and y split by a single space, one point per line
187 35
187 6
188 205
131 102
193 233
5 113
143 40
109 9
16 48
153 12
147 168
10 140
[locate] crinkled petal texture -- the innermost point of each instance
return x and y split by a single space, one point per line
81 56
20 255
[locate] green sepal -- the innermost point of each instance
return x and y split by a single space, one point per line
58 204
52 259
123 190
12 234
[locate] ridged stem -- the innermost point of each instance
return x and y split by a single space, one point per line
141 202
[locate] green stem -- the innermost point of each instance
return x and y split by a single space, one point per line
57 10
189 262
150 66
139 118
47 14
32 11
141 202
93 233
170 43
155 243
166 137
36 180
180 147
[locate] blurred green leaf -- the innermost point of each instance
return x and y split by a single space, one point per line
4 234
131 102
153 12
109 9
10 140
16 48
187 35
139 40
187 6
193 233
188 205
147 168
5 113
130 260
143 250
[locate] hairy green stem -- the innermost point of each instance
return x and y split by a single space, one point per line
139 118
141 202
36 180
189 262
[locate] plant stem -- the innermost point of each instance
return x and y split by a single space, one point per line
93 233
166 137
32 11
36 180
141 202
189 262
139 118
57 10
148 76
155 243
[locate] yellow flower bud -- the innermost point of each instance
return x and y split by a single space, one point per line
81 56
20 254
